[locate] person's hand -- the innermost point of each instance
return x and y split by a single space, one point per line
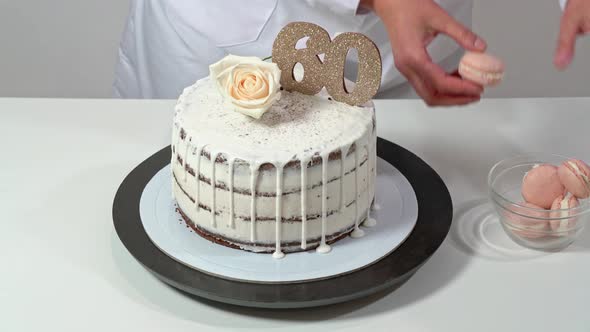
412 25
574 21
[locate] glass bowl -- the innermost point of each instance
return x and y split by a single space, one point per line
540 229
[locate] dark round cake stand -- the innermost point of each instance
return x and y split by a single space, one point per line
435 214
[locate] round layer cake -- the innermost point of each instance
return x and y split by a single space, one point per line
301 177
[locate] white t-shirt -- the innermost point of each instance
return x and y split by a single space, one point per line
169 44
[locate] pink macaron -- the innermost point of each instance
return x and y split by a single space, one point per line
541 186
575 176
528 220
481 68
563 219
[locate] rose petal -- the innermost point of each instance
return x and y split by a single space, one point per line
249 83
253 112
231 61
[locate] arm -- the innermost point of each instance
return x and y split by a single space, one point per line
412 25
575 21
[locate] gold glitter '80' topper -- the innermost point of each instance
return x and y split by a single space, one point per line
328 73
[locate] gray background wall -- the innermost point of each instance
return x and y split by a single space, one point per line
68 48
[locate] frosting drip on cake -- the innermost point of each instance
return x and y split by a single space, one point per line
298 128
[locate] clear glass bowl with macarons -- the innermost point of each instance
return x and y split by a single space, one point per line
541 199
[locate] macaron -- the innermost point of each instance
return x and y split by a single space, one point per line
575 176
565 222
528 220
481 68
541 185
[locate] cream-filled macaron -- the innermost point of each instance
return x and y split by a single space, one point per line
575 176
562 218
481 68
541 185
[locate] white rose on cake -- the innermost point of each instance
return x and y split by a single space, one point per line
249 84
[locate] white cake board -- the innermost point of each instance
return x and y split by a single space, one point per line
396 218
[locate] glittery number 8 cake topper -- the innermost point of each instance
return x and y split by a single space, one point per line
330 72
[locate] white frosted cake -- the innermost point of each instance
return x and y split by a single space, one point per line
300 177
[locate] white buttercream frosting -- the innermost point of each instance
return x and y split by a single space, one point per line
329 197
296 126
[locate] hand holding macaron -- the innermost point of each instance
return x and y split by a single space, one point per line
412 26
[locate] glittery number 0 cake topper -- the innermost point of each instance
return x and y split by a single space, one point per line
330 72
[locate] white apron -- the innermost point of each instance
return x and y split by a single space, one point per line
169 44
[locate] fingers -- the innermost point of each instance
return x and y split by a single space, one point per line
448 83
421 88
446 24
433 98
568 30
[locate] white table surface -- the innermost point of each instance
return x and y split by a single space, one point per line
63 268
